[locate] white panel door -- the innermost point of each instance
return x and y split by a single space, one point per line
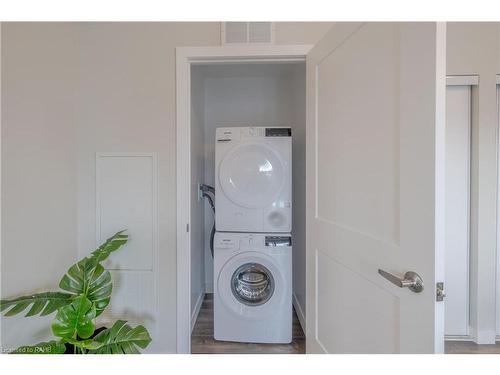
375 187
126 199
457 185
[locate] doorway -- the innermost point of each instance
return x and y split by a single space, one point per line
239 96
270 80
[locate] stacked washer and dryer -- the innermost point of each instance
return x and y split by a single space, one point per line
253 242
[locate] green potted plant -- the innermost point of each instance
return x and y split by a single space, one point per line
85 293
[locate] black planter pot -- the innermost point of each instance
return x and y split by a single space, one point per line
70 348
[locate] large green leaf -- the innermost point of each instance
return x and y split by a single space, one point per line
75 319
85 344
90 279
50 347
121 339
41 303
113 243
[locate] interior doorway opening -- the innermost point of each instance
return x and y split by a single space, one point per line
244 95
272 68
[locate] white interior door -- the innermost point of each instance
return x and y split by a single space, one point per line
375 187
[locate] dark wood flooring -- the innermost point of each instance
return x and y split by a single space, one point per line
202 338
469 347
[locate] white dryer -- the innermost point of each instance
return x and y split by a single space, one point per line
253 179
253 287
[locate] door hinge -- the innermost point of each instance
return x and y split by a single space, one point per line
440 293
187 227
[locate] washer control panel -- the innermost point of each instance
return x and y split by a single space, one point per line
240 133
275 241
278 132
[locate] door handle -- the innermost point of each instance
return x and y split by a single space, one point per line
411 280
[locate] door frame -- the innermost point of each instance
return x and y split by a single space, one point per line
185 58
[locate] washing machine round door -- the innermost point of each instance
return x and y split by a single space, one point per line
251 285
252 175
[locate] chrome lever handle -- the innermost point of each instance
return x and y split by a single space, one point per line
411 280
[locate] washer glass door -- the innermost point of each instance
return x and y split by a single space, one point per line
252 175
252 284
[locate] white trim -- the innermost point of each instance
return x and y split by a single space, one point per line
498 79
459 338
209 288
185 56
274 60
183 177
469 211
197 309
472 80
1 174
300 312
251 52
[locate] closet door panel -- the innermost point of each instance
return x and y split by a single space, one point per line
458 125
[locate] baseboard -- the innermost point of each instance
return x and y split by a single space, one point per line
196 311
473 337
300 312
459 338
209 287
486 338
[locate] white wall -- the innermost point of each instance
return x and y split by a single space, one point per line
70 90
39 74
472 48
127 104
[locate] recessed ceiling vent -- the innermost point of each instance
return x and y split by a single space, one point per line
247 32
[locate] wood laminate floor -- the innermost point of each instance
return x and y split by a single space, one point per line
469 347
202 338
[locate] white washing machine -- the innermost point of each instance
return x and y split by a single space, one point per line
253 179
253 287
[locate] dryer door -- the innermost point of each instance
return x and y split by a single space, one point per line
252 175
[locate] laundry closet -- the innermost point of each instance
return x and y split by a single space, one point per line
263 99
